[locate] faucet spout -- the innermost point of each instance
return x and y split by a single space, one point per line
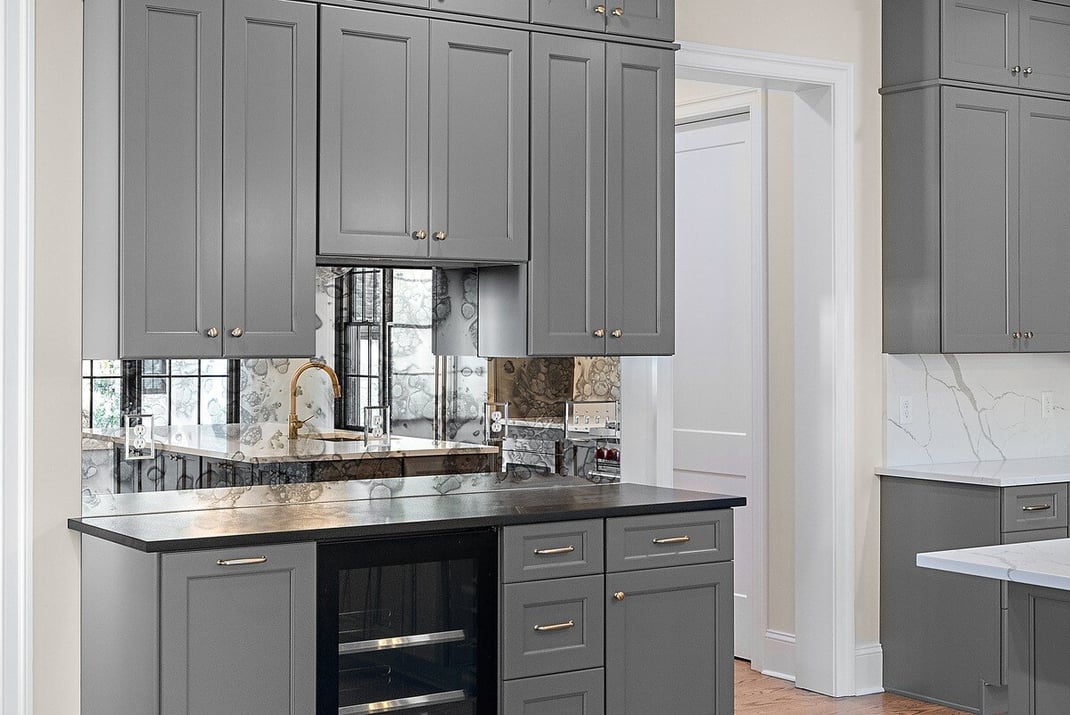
296 424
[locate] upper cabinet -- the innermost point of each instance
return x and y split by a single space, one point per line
200 179
437 166
600 279
1023 44
636 18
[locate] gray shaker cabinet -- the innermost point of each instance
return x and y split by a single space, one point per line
980 40
269 178
198 633
600 279
200 215
171 238
373 154
479 143
669 640
505 9
437 166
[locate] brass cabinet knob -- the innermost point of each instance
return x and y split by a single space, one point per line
617 333
1027 71
618 12
212 332
1028 335
420 235
1016 69
619 595
1016 336
600 333
440 235
600 9
237 332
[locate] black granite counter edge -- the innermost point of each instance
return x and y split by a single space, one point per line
360 531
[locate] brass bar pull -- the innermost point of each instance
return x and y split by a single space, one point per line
252 560
554 552
556 627
1036 507
673 540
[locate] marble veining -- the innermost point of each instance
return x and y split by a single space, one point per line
995 473
975 408
1038 563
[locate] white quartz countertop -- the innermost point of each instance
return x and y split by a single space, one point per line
1001 473
267 443
1038 563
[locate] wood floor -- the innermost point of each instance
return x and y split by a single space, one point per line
757 693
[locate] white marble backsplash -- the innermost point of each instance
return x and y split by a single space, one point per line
976 407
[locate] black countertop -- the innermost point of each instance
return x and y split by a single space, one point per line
353 519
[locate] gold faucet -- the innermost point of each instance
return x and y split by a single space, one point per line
296 424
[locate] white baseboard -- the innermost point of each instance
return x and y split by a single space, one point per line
780 662
779 655
869 669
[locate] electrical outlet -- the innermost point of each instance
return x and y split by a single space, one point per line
1047 404
906 409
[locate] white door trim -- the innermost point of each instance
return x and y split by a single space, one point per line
753 102
824 323
16 364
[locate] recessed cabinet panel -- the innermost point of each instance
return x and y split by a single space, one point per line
568 220
980 40
1045 44
640 201
373 133
1045 224
269 178
642 18
979 186
479 143
171 105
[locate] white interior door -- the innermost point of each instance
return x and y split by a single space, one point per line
714 366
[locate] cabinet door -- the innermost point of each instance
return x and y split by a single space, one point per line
669 641
578 14
1039 652
373 134
1045 215
238 631
172 168
504 9
269 179
980 41
979 221
642 18
640 202
479 143
1045 37
567 289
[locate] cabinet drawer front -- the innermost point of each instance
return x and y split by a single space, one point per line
1027 508
552 626
561 549
579 693
643 542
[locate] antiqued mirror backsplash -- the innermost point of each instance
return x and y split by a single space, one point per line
395 338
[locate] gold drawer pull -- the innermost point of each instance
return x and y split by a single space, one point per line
555 627
1036 507
673 540
243 562
554 552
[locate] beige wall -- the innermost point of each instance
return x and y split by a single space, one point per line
846 31
57 347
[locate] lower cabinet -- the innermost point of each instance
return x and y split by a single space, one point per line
1039 650
669 641
642 626
198 633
